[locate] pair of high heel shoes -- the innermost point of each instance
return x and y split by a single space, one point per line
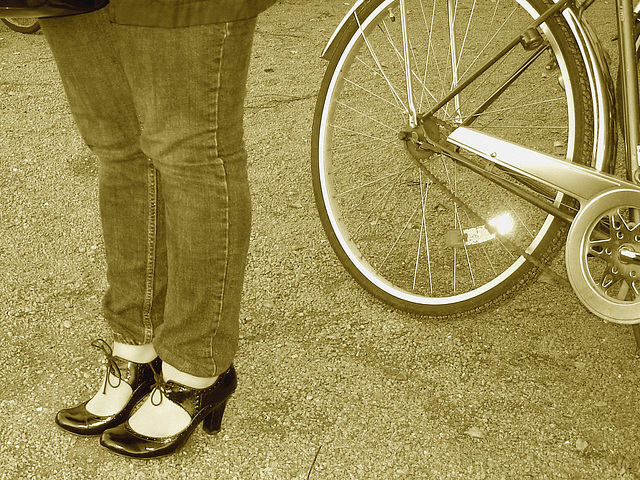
203 405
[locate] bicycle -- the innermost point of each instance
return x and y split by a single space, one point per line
22 25
458 144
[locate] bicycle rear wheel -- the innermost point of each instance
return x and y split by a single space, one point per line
404 222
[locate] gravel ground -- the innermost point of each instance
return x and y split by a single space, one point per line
333 384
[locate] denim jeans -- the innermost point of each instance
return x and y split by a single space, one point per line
162 109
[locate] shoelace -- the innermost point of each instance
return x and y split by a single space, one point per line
159 386
112 366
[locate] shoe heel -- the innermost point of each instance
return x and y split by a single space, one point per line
213 421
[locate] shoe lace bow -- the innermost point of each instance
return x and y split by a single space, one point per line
159 386
110 361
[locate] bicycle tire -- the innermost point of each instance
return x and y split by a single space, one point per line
22 25
396 230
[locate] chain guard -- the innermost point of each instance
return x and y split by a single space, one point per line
604 280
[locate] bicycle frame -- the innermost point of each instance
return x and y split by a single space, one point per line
628 65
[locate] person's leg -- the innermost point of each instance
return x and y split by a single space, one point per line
101 103
189 87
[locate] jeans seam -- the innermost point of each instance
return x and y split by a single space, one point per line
151 252
226 229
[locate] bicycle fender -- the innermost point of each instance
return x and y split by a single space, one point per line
330 47
600 80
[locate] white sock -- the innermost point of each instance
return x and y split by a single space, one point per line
171 373
111 400
165 418
135 353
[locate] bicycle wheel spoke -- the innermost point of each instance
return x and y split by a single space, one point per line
368 117
423 232
368 184
361 134
373 94
430 54
399 236
393 89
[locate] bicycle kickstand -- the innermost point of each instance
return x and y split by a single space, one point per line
636 334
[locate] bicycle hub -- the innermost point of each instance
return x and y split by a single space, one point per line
424 140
